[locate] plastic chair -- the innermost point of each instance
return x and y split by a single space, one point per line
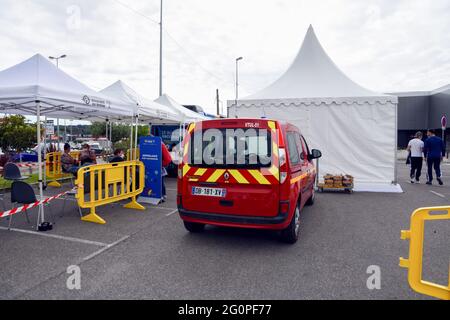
12 172
22 193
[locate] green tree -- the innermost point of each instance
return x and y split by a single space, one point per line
16 134
119 131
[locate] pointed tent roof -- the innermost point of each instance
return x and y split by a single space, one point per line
143 106
185 113
313 75
60 95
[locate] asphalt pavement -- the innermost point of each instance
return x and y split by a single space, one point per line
149 255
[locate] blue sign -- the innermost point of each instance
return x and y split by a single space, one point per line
151 156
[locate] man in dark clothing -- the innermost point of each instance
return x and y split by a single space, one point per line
434 150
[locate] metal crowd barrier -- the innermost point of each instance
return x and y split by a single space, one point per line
107 183
53 167
415 262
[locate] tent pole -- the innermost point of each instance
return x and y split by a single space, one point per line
396 145
45 149
41 216
131 138
110 131
136 138
57 133
106 134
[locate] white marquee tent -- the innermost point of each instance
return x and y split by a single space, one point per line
36 87
59 95
146 109
186 115
355 128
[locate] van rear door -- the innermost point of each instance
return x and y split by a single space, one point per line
230 167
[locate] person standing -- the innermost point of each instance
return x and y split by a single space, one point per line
166 160
415 149
434 150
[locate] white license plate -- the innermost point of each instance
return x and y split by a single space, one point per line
209 192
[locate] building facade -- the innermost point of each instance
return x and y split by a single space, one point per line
419 111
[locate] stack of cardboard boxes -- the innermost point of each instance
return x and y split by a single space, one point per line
338 181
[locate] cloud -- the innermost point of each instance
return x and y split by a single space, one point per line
383 45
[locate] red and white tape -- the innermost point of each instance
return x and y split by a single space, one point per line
32 205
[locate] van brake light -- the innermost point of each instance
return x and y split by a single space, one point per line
282 157
283 165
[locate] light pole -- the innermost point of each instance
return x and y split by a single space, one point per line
237 83
57 66
161 50
57 59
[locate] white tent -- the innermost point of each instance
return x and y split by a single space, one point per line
186 115
146 109
37 87
355 128
59 95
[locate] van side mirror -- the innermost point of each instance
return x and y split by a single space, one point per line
315 154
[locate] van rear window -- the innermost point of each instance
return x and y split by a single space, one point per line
231 148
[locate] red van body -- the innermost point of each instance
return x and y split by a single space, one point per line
266 181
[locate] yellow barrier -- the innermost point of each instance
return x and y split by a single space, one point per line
107 183
131 156
75 155
53 168
415 262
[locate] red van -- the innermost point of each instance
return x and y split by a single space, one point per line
247 173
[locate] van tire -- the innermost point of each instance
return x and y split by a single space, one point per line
194 227
291 233
311 199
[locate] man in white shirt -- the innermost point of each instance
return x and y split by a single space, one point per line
415 146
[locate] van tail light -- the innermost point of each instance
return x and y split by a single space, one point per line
284 207
283 165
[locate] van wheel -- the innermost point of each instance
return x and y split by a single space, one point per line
194 227
290 234
311 199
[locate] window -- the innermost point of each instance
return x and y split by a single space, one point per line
294 156
231 148
305 145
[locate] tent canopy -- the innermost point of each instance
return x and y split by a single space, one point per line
355 128
185 114
314 75
146 109
60 95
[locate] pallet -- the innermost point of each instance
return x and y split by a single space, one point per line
324 188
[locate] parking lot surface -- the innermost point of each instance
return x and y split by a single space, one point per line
149 255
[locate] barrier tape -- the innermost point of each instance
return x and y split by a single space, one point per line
32 205
35 164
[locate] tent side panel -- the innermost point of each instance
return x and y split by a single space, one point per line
355 139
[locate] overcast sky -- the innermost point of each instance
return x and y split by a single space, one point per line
386 46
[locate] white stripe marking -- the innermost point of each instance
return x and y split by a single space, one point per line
171 213
109 246
437 194
55 236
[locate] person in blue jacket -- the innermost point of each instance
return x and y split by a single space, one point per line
434 151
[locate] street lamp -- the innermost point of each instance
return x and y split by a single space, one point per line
237 78
57 59
57 66
237 85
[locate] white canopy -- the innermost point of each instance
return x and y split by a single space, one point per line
147 109
185 114
355 128
60 96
